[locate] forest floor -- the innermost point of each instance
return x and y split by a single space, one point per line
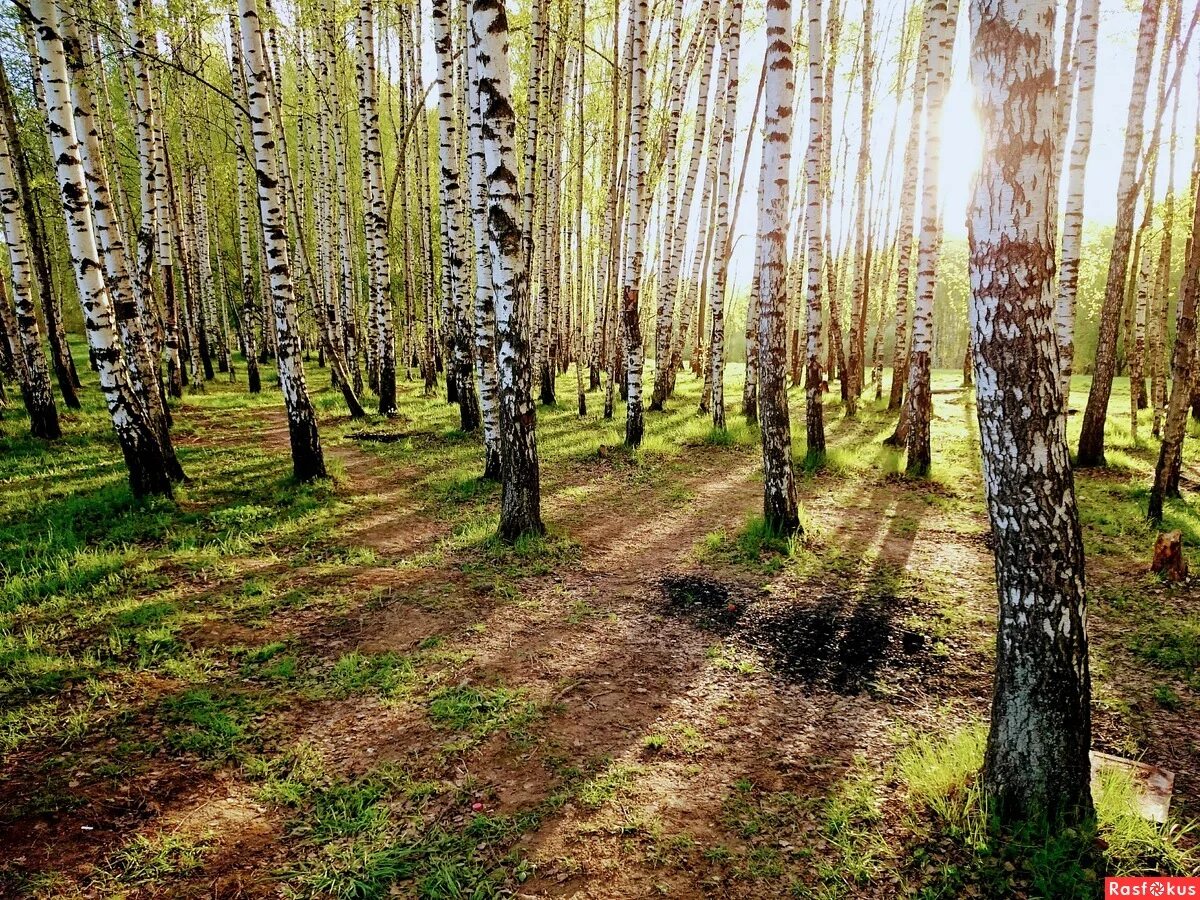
350 689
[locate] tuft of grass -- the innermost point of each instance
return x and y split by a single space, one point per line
942 778
381 674
153 859
211 726
756 545
940 774
480 712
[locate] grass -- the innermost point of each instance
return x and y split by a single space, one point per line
1171 644
941 776
480 711
189 636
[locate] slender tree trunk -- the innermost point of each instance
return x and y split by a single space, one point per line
64 367
908 203
1072 230
520 503
733 38
630 311
1166 471
779 484
374 212
665 316
1091 437
861 285
814 389
29 357
149 472
249 300
307 459
485 306
920 397
452 219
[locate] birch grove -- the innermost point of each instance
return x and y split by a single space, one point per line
486 274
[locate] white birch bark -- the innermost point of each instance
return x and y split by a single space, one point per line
1037 754
307 459
144 455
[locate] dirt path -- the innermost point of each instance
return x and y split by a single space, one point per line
594 647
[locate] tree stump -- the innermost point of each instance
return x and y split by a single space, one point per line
1168 557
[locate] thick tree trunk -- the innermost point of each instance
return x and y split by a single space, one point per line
1037 753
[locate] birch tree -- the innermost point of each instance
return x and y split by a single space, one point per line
308 462
455 280
630 310
374 211
779 484
1072 229
908 203
29 357
1091 435
520 501
1037 752
145 457
485 305
732 43
813 387
919 389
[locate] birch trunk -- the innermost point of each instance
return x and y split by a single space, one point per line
1166 471
520 503
29 356
64 367
814 388
1072 230
1091 436
485 305
249 298
308 461
861 284
779 484
733 39
908 203
374 212
144 455
452 217
1037 752
920 399
630 319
